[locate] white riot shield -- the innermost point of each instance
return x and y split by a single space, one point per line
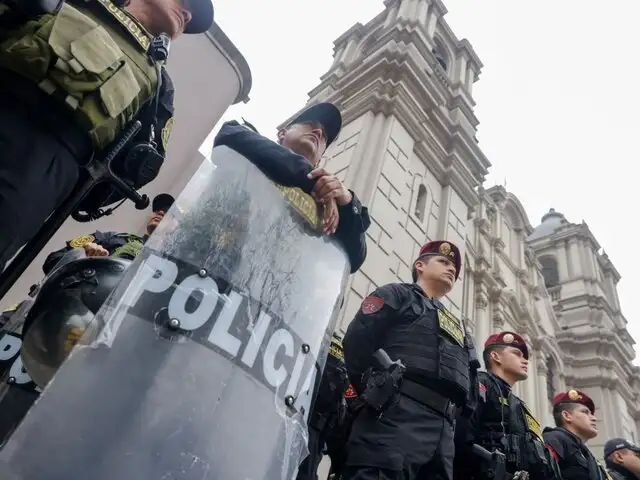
206 364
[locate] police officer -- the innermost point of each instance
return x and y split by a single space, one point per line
73 78
123 245
328 411
574 416
622 459
292 162
502 421
409 434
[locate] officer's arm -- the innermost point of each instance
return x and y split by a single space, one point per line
363 336
466 432
278 163
554 442
164 119
354 222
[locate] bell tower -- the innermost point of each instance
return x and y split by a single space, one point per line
404 84
596 347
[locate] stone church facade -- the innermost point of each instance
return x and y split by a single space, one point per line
404 83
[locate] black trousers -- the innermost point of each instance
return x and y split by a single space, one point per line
37 173
309 467
409 442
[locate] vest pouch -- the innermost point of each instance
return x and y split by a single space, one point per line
69 25
119 91
25 51
454 363
88 57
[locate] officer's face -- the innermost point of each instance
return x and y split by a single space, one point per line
162 16
438 270
513 363
628 458
582 421
306 139
154 220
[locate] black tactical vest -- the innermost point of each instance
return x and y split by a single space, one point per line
431 344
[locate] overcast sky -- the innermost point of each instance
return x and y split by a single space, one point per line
557 100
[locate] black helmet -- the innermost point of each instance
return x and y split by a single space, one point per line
62 311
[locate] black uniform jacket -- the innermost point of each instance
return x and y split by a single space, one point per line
488 424
573 456
290 170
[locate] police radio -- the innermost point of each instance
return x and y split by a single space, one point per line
142 162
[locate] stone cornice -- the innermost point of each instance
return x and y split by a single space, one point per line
607 267
465 47
357 30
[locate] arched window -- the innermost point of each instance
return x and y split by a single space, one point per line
441 54
551 389
550 271
421 202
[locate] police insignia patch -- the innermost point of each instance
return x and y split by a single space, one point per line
445 248
372 305
573 395
81 241
166 133
350 392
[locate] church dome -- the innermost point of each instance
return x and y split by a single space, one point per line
550 222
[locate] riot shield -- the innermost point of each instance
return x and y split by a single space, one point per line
206 364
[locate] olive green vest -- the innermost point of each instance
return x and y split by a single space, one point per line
93 58
131 249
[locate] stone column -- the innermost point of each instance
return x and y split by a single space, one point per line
574 257
528 386
483 322
542 401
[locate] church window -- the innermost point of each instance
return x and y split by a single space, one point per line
421 202
441 56
550 271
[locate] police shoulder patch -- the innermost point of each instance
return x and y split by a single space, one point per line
350 392
372 305
81 241
166 133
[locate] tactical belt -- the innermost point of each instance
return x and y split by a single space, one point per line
429 398
22 95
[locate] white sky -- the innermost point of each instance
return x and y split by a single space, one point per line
557 98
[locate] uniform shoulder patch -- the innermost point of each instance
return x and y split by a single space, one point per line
350 392
166 133
552 452
371 305
81 241
483 388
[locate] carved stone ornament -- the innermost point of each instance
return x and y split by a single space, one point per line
481 301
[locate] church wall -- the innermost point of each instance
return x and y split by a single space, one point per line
408 150
398 230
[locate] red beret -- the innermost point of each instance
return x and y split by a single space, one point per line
574 396
445 249
508 339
